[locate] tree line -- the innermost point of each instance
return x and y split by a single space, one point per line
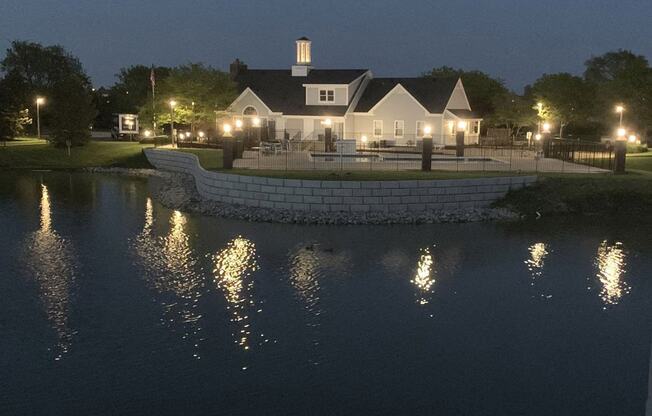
574 105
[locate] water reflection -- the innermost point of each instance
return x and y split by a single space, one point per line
424 278
50 260
233 270
538 254
171 269
610 261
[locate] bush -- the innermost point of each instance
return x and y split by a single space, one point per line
636 148
71 112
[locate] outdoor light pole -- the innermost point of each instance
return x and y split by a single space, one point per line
426 151
172 104
620 151
227 147
459 138
39 101
620 109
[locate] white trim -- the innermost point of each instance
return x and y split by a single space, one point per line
326 91
391 92
242 94
315 117
249 115
373 128
402 129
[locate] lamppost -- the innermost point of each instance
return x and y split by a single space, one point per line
426 149
620 109
256 124
227 147
192 120
39 101
172 104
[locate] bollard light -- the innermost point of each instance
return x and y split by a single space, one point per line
537 137
226 128
200 134
328 122
426 131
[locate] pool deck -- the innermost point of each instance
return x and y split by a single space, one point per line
523 161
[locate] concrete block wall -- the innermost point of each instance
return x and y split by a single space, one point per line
315 195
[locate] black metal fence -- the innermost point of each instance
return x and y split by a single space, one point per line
483 155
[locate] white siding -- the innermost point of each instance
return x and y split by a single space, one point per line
312 95
249 99
458 100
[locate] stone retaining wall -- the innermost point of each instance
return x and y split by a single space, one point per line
358 196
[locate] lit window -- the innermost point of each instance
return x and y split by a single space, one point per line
326 96
378 128
475 127
420 125
399 128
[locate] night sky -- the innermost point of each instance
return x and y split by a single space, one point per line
516 40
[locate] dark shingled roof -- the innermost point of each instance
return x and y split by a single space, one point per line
286 94
464 113
432 93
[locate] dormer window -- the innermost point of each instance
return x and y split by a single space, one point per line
326 96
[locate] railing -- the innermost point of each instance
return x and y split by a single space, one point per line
488 155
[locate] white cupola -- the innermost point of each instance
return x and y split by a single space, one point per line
304 58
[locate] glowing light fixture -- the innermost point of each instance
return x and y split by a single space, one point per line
238 124
147 133
172 103
328 122
255 121
226 128
40 100
632 138
461 125
537 137
620 109
621 132
200 134
363 139
427 130
546 127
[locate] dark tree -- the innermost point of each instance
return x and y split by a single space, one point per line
481 89
13 116
72 112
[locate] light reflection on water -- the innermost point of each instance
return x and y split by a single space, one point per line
424 278
535 264
51 263
610 262
233 270
171 269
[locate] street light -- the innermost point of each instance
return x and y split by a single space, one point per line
39 102
620 109
172 104
546 127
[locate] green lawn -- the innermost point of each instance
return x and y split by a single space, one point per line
28 153
639 161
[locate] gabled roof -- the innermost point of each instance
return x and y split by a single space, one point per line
283 93
432 93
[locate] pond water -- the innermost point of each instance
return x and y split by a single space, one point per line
112 304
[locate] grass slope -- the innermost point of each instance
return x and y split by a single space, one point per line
38 154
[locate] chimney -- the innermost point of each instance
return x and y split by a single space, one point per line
236 68
304 58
